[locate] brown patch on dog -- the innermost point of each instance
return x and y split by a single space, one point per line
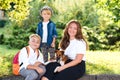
60 56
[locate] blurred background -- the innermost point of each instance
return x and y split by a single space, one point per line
100 20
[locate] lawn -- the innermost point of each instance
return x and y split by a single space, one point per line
103 62
4 50
98 62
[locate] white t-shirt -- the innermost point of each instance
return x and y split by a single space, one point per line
76 47
31 59
45 32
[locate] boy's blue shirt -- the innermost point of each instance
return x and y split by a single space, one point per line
52 32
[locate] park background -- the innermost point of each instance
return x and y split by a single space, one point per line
100 20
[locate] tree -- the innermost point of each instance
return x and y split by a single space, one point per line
16 10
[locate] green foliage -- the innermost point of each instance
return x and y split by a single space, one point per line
60 27
6 56
111 31
112 5
100 24
17 10
20 33
84 11
103 39
6 64
20 37
1 38
2 23
34 15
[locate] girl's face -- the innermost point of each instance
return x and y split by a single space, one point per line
46 14
72 30
34 43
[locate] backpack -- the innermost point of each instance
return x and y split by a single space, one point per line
15 63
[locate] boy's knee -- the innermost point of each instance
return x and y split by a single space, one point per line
43 69
32 76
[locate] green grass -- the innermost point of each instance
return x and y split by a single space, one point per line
4 50
103 62
98 62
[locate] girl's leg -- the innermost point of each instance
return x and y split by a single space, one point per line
50 70
71 73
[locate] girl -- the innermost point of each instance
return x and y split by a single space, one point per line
74 46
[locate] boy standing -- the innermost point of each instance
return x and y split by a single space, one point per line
31 60
47 31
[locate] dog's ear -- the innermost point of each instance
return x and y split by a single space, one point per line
62 52
57 50
58 53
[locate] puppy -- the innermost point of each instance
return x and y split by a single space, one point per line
60 57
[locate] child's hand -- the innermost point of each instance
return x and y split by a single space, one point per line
53 44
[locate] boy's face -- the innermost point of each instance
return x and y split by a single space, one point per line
46 14
34 43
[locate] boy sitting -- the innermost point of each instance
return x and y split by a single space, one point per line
31 65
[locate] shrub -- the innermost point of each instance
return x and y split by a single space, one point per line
20 37
1 38
2 23
6 64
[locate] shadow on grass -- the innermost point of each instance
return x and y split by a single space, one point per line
98 69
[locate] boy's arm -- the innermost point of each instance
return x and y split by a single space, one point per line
53 42
37 68
54 39
31 67
55 32
38 63
37 31
54 36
